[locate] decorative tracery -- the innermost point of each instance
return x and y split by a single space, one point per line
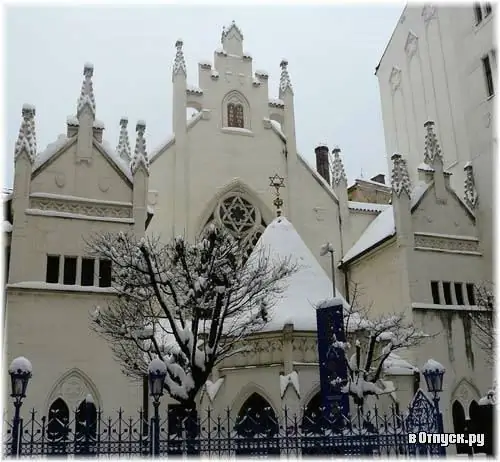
241 218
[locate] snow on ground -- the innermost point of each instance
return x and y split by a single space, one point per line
306 288
289 379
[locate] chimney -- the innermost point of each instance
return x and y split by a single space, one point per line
380 178
322 161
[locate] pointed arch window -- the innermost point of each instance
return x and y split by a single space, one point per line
235 115
58 427
257 420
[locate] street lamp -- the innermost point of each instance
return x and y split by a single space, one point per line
433 374
157 371
20 371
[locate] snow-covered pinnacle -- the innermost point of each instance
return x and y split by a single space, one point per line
21 365
400 178
338 172
285 82
227 29
87 94
470 192
123 148
489 399
26 140
432 150
179 62
433 366
157 366
140 155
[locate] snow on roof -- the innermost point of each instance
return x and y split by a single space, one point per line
395 365
7 194
115 158
425 167
380 228
377 183
432 365
418 191
277 128
367 206
213 387
304 289
21 364
49 151
171 139
6 227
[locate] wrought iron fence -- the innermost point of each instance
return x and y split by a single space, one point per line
255 434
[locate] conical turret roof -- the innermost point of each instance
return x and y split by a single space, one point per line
305 288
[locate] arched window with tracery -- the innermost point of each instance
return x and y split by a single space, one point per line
241 218
235 115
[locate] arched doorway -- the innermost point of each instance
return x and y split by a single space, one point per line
474 423
85 427
459 424
257 428
58 427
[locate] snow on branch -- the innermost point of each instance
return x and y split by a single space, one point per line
374 340
483 319
187 304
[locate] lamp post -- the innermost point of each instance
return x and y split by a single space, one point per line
433 374
20 373
157 371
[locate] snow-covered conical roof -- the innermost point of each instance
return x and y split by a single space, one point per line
305 288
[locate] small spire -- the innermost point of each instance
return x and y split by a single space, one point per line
123 148
285 82
226 30
140 155
26 140
432 150
338 172
179 63
400 178
87 94
470 191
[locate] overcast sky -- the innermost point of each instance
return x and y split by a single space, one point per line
332 53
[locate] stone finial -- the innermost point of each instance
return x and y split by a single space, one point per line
26 140
179 62
123 148
87 94
400 178
338 172
285 82
470 191
227 29
432 150
140 154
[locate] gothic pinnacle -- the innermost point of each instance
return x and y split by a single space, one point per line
470 192
179 62
87 94
285 82
123 148
400 178
432 150
140 155
26 140
338 172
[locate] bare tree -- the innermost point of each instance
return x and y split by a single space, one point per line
374 340
483 320
187 304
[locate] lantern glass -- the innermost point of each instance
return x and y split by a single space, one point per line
434 381
19 384
156 381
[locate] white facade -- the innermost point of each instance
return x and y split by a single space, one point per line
432 69
217 167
